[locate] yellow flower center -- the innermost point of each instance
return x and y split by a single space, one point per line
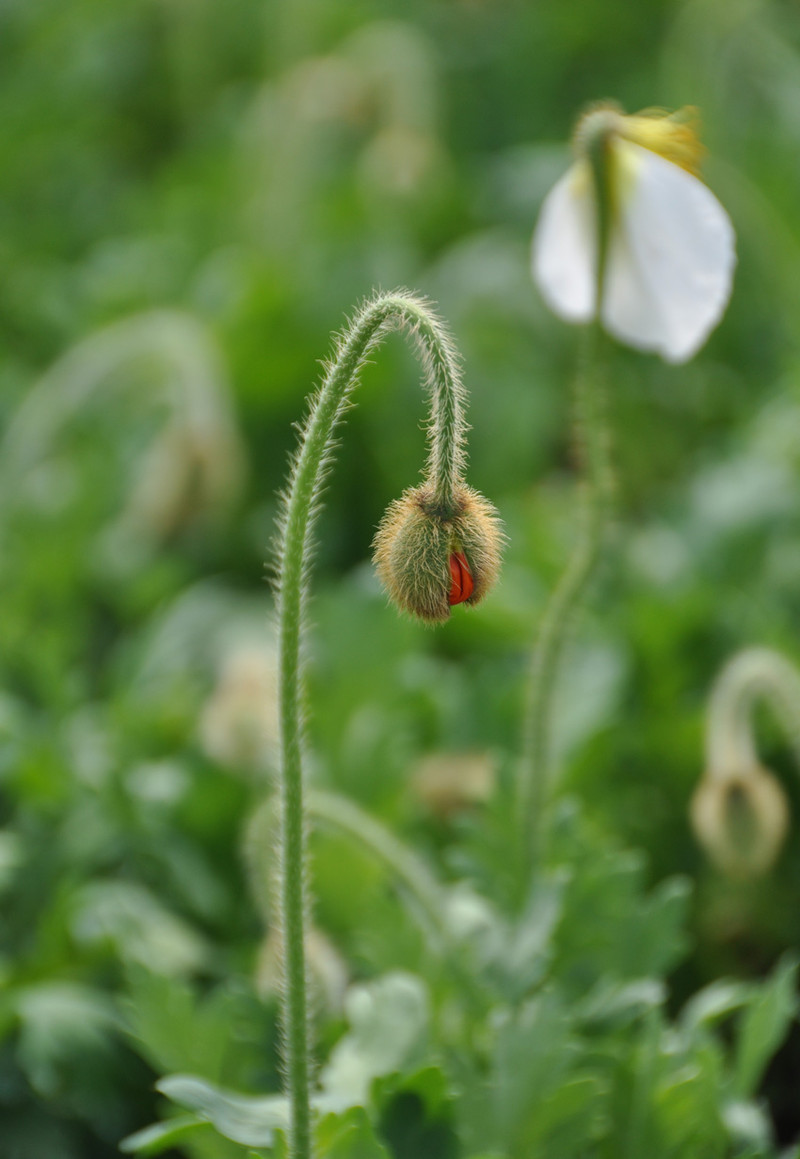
672 135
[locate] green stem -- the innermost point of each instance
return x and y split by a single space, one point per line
302 502
594 439
596 489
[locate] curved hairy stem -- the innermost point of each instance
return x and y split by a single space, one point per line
301 503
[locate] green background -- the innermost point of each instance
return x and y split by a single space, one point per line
262 167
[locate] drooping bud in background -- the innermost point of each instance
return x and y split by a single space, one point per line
429 560
239 723
740 812
741 820
328 972
449 783
185 476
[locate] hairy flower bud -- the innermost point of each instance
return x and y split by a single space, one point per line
429 560
741 820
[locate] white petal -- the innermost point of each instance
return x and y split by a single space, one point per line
565 246
671 258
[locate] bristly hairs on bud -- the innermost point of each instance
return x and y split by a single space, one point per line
739 810
428 560
300 506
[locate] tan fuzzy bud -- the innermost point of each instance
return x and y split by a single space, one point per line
448 783
187 474
239 723
429 559
328 973
741 820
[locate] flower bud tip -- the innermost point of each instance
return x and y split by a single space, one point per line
462 585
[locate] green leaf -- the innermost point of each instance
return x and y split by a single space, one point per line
430 1084
532 1056
688 1120
764 1026
714 1002
567 1122
244 1119
177 1030
748 1125
158 1137
347 1136
416 1115
388 1018
611 927
140 928
58 1021
620 1003
526 958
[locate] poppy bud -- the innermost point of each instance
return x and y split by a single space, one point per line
428 560
741 819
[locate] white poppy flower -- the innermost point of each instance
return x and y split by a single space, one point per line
670 247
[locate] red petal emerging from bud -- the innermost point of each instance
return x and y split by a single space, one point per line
462 583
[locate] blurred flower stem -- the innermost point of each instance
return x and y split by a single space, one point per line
593 438
596 487
302 502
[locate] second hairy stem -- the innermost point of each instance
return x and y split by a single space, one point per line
595 500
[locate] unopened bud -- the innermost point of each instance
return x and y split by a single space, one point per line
327 969
741 820
428 560
239 723
447 784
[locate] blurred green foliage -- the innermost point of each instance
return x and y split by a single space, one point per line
253 170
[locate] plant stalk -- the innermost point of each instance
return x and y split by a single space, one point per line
446 436
594 444
595 498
